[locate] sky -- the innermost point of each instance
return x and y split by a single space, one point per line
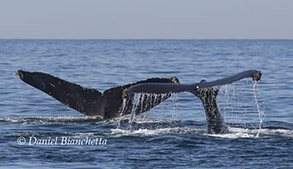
146 19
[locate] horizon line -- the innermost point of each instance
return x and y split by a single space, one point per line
145 39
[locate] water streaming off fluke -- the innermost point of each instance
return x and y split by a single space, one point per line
141 102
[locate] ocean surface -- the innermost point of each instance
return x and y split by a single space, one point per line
39 132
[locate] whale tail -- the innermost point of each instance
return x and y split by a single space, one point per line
88 101
108 104
206 91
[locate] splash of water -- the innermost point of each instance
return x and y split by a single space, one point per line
136 101
19 96
261 112
122 109
228 102
143 101
140 103
239 104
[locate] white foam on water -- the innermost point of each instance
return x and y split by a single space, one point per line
152 132
253 133
148 120
273 132
234 133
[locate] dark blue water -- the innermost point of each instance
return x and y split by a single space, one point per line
173 134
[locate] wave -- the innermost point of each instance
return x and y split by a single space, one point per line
233 132
145 126
254 133
154 132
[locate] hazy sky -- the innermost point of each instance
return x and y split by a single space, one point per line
146 19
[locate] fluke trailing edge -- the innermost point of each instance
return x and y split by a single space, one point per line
109 104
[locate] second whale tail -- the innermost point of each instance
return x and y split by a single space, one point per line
206 91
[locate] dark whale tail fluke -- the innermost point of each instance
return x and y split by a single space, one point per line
86 100
206 91
108 104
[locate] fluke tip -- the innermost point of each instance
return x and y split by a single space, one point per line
19 74
257 76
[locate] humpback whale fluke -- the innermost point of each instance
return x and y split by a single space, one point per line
206 91
86 100
109 103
